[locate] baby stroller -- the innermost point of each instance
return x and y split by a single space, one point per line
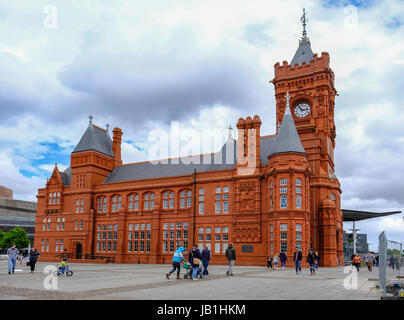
189 270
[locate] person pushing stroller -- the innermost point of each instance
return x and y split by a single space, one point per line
178 256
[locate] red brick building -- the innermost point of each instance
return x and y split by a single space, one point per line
266 194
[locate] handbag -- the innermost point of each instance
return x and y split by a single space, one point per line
196 262
28 263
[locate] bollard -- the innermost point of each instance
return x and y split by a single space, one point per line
164 259
138 260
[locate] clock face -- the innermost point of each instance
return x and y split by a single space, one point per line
302 110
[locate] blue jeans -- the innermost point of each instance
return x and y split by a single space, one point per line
194 272
297 266
283 264
312 267
11 264
205 268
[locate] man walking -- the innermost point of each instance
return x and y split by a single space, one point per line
369 258
206 256
12 258
231 257
283 258
178 256
297 259
33 258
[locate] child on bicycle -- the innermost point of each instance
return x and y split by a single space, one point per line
62 265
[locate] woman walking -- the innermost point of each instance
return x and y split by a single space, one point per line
316 260
33 258
356 261
310 261
282 257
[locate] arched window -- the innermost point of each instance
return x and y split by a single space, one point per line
186 198
116 203
133 202
148 201
284 182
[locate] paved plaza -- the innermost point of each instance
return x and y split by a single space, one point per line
133 281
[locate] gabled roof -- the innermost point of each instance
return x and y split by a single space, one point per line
287 139
96 139
303 52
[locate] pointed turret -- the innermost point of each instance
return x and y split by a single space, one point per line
303 52
95 138
287 139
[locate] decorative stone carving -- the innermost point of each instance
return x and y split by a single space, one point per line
247 196
247 231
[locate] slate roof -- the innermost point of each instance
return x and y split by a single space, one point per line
66 176
287 139
148 170
96 139
177 167
303 52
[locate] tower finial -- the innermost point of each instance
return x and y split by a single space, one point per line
304 21
91 118
107 125
230 130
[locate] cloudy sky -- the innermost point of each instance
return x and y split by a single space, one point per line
141 64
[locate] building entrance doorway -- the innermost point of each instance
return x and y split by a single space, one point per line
79 250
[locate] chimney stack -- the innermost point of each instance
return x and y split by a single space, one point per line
116 145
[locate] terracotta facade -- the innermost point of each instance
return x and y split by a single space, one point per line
262 205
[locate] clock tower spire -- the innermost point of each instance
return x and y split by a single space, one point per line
308 82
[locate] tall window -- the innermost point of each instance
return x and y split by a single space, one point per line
168 200
79 205
133 202
149 201
298 193
201 201
186 199
271 195
102 204
284 191
116 203
54 197
222 200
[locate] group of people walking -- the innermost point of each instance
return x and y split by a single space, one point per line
313 259
14 255
199 261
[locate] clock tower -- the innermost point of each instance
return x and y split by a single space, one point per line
309 80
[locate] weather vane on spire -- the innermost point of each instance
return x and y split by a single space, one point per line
304 21
91 118
230 130
287 111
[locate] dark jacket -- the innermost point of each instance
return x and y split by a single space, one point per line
282 257
33 256
317 258
299 256
310 257
231 253
194 253
206 255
